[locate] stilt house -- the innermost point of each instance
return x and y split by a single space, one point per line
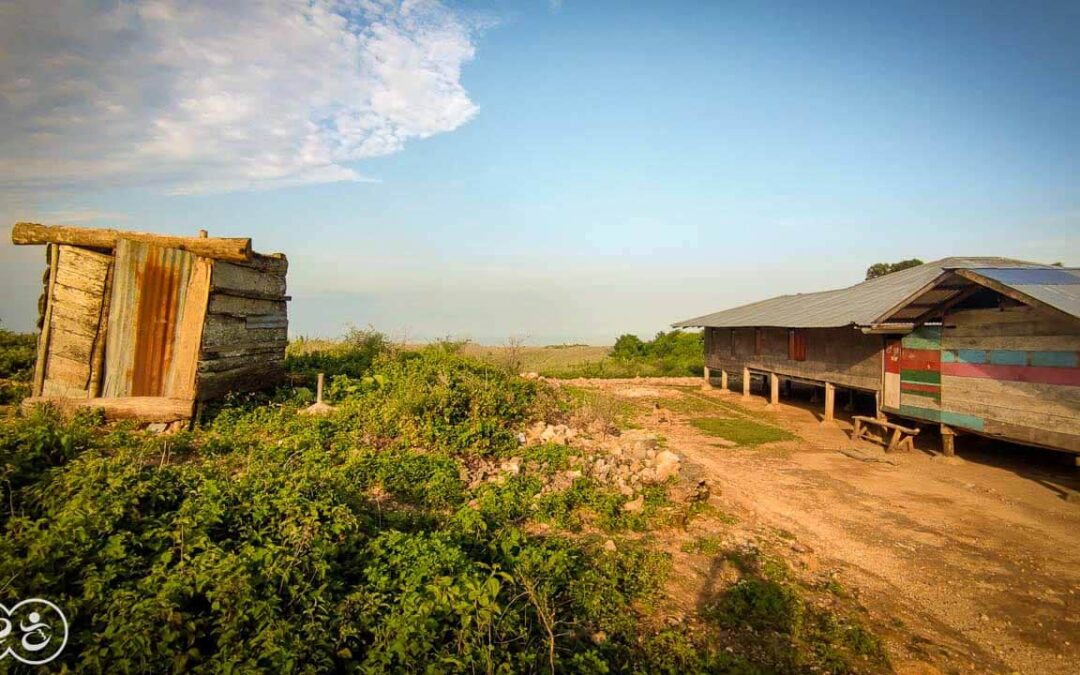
147 326
988 346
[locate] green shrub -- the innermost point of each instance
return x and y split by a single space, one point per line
670 354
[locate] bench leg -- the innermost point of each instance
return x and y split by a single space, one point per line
894 441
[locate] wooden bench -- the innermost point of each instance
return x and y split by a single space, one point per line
898 441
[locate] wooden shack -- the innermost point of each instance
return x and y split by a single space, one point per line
148 326
992 351
981 345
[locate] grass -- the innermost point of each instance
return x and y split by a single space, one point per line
745 432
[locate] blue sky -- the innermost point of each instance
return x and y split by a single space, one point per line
553 171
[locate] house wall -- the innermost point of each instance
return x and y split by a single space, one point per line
246 329
70 345
842 356
1011 373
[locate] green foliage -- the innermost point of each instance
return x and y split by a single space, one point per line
669 354
881 269
353 355
17 354
435 399
742 431
272 541
706 545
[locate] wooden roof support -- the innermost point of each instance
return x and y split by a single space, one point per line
219 248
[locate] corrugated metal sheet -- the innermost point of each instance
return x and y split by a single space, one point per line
1056 286
150 287
857 305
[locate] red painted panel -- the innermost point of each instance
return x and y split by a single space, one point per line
922 359
1040 374
919 386
892 356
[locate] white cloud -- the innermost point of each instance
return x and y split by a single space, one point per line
207 96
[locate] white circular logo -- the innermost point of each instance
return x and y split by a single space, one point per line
34 631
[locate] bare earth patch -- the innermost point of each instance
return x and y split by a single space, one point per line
972 566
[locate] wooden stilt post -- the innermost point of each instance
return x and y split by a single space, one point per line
705 384
774 389
877 405
723 382
830 403
746 383
948 445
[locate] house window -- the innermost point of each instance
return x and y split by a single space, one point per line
759 341
796 344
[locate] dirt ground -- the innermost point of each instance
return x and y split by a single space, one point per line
971 565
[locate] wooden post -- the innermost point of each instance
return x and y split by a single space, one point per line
746 383
850 405
948 445
877 405
830 402
774 389
319 388
723 382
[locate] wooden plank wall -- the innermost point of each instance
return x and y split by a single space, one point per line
74 313
246 330
842 356
1012 373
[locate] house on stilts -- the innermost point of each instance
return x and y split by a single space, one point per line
987 346
149 326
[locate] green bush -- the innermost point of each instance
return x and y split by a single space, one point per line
670 354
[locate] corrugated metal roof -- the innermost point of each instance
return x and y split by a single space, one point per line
1055 286
858 305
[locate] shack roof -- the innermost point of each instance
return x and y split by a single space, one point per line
863 304
1055 287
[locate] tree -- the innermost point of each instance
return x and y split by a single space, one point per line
881 269
628 347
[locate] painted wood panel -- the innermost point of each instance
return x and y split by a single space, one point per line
1013 373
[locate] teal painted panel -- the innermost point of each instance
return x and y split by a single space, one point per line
971 356
1054 359
962 421
1008 357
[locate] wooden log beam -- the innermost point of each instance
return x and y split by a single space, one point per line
145 408
219 248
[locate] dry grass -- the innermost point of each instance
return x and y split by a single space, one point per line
537 359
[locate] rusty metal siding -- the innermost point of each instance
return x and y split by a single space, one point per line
148 303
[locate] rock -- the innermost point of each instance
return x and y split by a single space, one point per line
548 433
599 637
610 546
531 376
634 505
521 439
650 453
157 427
573 474
667 465
700 493
511 466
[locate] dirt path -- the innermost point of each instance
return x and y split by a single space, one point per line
969 566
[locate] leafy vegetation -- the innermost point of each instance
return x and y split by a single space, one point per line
881 269
266 540
741 430
670 354
17 353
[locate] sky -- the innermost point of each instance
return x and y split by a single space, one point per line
548 171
